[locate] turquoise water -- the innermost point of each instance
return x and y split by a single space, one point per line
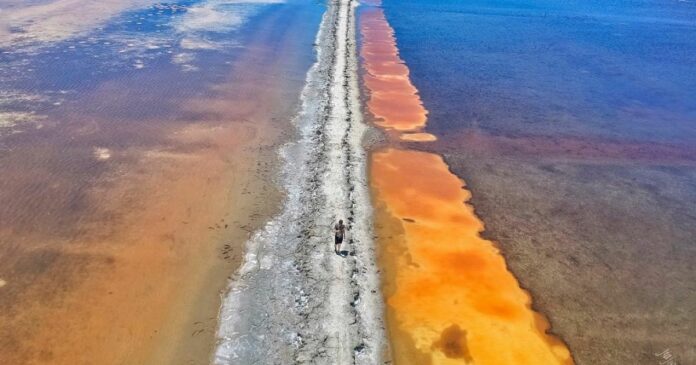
610 69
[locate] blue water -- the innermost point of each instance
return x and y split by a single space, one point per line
139 50
123 87
621 70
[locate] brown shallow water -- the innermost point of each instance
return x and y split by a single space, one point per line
117 236
450 298
122 287
617 279
589 195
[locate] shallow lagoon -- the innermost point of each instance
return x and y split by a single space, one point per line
574 127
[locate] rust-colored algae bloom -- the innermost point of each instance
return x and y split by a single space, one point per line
393 98
450 297
449 293
418 137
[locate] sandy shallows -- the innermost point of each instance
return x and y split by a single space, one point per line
117 236
450 298
139 274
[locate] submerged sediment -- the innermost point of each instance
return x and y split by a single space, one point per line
294 300
449 295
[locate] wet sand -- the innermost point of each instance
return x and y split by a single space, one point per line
449 296
117 239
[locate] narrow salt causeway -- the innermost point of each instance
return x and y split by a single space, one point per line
450 298
295 301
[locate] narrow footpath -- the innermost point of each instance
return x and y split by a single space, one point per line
294 300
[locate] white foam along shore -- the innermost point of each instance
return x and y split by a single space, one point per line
294 300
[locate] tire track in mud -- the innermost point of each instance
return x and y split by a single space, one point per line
294 300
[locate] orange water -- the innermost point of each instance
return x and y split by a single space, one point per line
394 101
418 137
449 290
450 297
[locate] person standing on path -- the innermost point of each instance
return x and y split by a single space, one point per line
339 233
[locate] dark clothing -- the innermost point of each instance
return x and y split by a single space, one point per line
340 230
